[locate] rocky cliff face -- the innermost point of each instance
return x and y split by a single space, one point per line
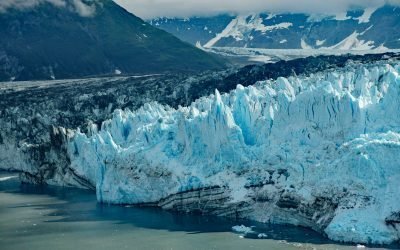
317 150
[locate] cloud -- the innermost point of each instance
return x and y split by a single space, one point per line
27 4
85 8
187 8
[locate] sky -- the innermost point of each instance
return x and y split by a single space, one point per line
147 9
187 8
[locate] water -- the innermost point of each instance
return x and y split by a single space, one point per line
57 218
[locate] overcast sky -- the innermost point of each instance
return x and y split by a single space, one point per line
187 8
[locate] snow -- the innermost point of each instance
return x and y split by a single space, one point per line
341 16
352 42
304 45
243 26
319 42
198 45
367 14
330 132
261 59
270 16
226 32
264 29
317 17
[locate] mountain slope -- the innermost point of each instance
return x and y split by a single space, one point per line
355 30
55 42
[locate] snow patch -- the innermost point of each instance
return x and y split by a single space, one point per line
320 42
243 26
341 16
304 45
225 33
365 17
353 43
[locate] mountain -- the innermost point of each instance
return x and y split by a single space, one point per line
366 29
49 41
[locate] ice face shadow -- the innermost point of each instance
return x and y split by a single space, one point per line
76 205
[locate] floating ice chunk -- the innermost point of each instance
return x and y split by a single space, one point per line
7 178
262 236
242 229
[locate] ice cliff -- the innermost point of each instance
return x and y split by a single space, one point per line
320 151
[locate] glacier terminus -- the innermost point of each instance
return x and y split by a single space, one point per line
179 124
319 151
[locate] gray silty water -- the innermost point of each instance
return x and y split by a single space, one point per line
34 217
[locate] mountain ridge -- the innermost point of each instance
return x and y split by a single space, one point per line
371 28
48 42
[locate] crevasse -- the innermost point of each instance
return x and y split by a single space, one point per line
320 151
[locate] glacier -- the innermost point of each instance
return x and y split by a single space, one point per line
319 151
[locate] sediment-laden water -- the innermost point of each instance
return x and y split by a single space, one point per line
34 217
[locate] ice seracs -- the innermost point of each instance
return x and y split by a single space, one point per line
319 151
